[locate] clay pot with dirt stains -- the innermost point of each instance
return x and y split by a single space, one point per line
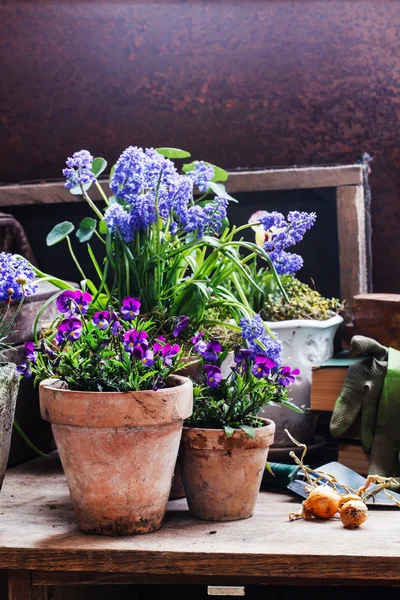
193 369
222 475
118 451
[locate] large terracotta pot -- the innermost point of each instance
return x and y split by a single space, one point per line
9 385
118 451
222 475
306 342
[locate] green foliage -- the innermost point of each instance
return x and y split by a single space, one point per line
59 232
304 303
87 227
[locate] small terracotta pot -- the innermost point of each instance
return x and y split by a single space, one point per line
193 369
118 451
222 475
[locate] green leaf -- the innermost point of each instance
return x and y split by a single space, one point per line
219 174
59 232
111 173
249 431
98 166
220 190
86 229
103 227
229 431
77 189
269 469
173 152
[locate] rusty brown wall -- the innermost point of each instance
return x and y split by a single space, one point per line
240 83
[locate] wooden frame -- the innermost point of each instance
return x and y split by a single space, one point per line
347 179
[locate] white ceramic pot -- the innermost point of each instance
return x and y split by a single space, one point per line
9 385
305 343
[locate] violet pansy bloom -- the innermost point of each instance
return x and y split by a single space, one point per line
211 351
133 338
180 325
148 358
262 366
30 353
287 376
115 327
168 352
24 369
72 302
157 346
242 354
101 319
199 345
213 375
69 330
130 308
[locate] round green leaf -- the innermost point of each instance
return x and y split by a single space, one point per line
77 189
173 152
59 232
98 166
86 229
219 174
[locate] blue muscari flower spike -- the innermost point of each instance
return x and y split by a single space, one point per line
16 278
79 169
201 175
252 331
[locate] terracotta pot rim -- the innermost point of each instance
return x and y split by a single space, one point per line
182 383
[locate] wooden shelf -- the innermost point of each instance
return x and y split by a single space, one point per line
40 543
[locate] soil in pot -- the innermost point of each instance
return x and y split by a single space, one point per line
118 451
222 475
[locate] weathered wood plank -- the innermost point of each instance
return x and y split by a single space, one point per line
352 247
294 178
38 531
239 181
19 585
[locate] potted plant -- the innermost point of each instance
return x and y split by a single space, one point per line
303 321
225 442
16 282
108 388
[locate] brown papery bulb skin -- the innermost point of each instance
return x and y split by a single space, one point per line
322 503
353 514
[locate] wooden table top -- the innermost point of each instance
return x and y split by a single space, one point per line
38 532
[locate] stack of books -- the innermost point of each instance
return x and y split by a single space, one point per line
327 383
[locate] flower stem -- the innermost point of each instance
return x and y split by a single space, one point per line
74 258
102 194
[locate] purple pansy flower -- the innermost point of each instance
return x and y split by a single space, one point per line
199 345
242 354
69 330
262 366
180 325
148 358
213 375
130 308
30 353
168 352
24 369
101 319
72 302
132 338
287 376
115 327
157 346
211 351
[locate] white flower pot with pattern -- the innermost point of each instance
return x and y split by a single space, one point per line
306 343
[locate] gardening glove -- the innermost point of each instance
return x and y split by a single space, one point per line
384 459
361 391
372 387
